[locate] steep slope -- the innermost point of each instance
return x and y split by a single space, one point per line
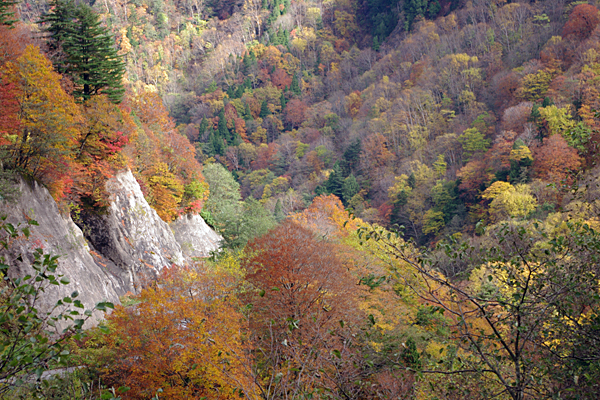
58 235
194 236
131 234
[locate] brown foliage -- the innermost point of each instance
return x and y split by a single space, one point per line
281 79
555 159
295 112
583 20
304 308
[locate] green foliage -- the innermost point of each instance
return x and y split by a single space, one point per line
578 136
349 189
335 182
237 221
524 304
433 221
90 56
6 12
264 109
414 9
473 143
30 338
295 86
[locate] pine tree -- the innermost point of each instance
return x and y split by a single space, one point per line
282 100
222 127
90 56
351 156
7 12
247 113
264 109
202 128
335 182
278 212
349 188
230 92
217 143
295 87
239 92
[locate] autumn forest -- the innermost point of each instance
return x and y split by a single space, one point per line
407 191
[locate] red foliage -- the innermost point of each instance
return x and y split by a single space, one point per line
555 159
9 118
265 156
281 79
295 112
583 20
13 42
505 86
304 309
300 276
192 132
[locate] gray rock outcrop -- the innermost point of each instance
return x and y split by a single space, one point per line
194 236
56 234
127 245
131 235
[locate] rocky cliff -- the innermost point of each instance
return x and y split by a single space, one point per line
58 235
133 238
130 234
194 236
126 245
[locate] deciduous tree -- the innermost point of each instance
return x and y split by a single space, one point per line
303 313
182 341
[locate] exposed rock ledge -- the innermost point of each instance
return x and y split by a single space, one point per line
58 235
194 236
132 236
127 244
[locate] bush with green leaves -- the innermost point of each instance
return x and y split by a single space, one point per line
30 338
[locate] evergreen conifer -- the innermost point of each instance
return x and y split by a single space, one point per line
282 100
6 12
264 109
335 182
222 127
89 55
295 87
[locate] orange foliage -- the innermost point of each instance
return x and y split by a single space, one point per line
302 292
42 142
281 79
13 42
240 128
149 108
555 159
375 151
473 176
265 156
165 160
326 216
185 338
353 103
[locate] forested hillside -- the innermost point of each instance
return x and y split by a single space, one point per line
407 111
407 189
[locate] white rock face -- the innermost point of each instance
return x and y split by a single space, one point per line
132 235
58 235
127 245
194 236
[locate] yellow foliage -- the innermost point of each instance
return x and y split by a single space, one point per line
516 202
496 189
400 186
